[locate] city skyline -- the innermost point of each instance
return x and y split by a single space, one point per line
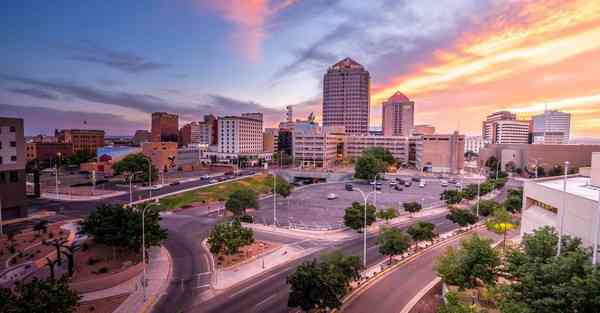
86 66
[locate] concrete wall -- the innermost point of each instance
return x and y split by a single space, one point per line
595 170
546 155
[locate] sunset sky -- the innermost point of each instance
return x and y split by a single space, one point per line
111 63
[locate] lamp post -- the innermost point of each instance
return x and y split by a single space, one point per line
56 177
478 193
365 197
144 208
561 214
150 176
1 226
274 199
596 234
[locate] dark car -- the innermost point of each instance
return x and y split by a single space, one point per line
378 186
175 183
399 187
452 181
400 180
349 187
416 179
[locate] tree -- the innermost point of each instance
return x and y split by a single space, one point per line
282 187
500 182
486 187
486 207
322 285
241 200
474 259
387 214
453 305
462 217
421 231
514 201
556 170
354 216
500 222
382 154
492 163
228 237
412 207
136 163
79 157
470 191
39 296
451 196
392 241
368 167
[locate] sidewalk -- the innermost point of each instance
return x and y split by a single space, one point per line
158 276
69 197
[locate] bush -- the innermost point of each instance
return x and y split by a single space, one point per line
246 218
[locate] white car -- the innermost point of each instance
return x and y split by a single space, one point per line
422 184
444 183
331 196
393 183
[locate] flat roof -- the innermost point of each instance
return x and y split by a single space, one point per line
578 186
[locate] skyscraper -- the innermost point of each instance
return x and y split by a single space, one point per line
398 115
346 88
488 125
551 127
165 127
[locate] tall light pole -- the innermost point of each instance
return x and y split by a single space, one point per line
274 199
1 227
478 193
365 197
497 168
596 233
143 209
150 176
561 214
56 177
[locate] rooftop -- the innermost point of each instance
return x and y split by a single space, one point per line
576 185
398 97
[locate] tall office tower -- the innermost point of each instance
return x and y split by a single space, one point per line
551 127
12 168
165 127
289 114
190 133
487 128
346 89
398 114
510 132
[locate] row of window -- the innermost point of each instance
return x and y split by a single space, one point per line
12 144
11 129
9 177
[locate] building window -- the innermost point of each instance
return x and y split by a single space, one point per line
2 178
14 177
13 158
13 129
13 143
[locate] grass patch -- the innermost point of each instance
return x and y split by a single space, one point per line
261 184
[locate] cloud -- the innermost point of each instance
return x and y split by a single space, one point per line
249 18
220 105
35 93
43 120
120 60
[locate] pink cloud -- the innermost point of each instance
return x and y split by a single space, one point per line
249 18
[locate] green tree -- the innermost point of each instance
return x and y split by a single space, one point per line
228 237
79 157
486 207
474 259
556 170
412 207
514 201
392 241
368 167
500 182
451 196
387 214
491 163
282 187
136 163
462 217
470 191
453 305
422 231
381 154
486 187
241 200
500 222
354 216
316 286
39 296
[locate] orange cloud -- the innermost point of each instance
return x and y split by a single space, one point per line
249 18
535 53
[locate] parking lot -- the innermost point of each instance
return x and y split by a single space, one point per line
309 206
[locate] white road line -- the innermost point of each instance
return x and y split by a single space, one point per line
255 284
202 286
265 300
203 274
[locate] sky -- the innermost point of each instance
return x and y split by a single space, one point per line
109 64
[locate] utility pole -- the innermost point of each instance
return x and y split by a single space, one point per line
1 226
478 193
562 210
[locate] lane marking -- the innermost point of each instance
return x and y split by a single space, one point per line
202 286
255 284
266 300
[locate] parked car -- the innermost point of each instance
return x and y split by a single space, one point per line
416 179
213 181
399 188
331 196
407 183
175 183
400 180
452 181
422 184
444 183
372 183
378 187
349 187
393 183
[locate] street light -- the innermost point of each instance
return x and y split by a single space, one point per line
150 176
478 193
274 199
365 197
561 214
144 207
596 234
1 227
57 167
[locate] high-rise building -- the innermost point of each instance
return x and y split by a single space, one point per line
190 133
487 128
271 140
551 127
346 102
289 114
423 129
510 132
473 143
165 127
12 168
240 134
88 140
398 114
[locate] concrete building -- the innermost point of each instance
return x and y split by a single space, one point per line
441 153
318 149
47 153
289 113
551 127
398 114
526 156
162 154
82 139
140 137
507 132
474 143
397 145
12 168
190 133
165 127
488 129
209 130
240 134
191 157
271 140
346 97
43 139
423 129
544 201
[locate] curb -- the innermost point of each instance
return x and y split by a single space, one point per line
411 304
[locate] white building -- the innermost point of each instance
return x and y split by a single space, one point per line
398 114
474 143
544 200
240 134
551 127
317 149
487 130
505 132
